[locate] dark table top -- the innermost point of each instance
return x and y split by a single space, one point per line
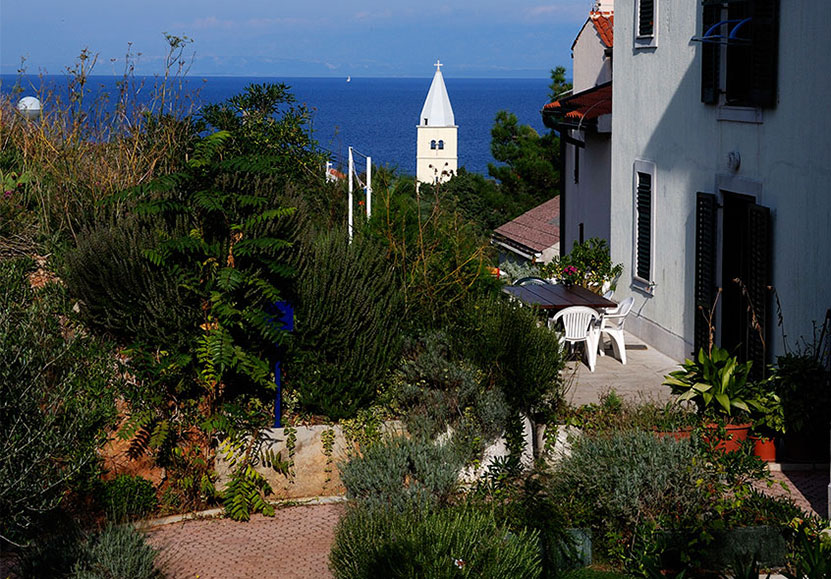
557 296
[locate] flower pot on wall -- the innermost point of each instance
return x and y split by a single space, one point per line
682 433
735 435
764 448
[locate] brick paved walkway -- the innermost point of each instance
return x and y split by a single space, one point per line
808 489
294 544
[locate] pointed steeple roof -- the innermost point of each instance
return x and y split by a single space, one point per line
437 111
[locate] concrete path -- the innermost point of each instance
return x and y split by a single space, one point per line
639 380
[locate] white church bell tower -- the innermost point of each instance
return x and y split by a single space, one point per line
437 156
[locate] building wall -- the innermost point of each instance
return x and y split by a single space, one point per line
784 163
588 201
590 64
442 160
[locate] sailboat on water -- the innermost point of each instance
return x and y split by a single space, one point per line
348 78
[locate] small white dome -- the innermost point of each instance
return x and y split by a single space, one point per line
29 107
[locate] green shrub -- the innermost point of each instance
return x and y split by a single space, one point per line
348 325
631 488
520 356
629 476
400 472
447 543
56 398
435 391
128 497
592 261
126 295
116 551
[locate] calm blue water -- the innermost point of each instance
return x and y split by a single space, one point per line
376 116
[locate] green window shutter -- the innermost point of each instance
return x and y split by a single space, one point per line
706 219
757 282
646 18
710 57
765 52
643 267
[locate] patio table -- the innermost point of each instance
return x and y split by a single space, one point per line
555 297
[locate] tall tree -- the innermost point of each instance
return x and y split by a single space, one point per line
529 161
559 85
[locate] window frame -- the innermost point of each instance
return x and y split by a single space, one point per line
639 282
646 40
743 101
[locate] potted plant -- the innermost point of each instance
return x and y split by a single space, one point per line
718 384
768 418
803 385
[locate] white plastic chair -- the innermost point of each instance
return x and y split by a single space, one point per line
611 323
580 324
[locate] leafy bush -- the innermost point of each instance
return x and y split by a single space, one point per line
114 551
520 499
447 543
614 413
117 551
436 392
126 295
400 472
348 325
128 496
520 356
616 483
717 383
804 388
592 261
438 254
56 398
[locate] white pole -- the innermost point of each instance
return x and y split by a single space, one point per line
349 211
368 188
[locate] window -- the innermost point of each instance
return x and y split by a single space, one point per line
643 250
646 18
739 52
433 144
441 145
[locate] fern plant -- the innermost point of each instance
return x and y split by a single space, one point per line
221 235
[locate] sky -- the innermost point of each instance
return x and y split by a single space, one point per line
316 38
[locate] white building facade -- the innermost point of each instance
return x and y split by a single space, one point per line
583 120
720 171
437 157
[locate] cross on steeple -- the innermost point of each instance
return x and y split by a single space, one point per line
438 65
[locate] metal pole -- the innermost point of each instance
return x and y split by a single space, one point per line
349 211
368 188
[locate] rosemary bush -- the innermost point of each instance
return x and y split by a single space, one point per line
348 325
453 542
435 392
399 472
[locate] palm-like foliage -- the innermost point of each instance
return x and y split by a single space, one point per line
716 383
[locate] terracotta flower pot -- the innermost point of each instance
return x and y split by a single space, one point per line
736 434
764 448
679 434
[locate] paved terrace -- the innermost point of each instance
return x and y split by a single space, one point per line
295 544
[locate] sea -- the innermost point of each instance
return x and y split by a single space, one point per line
375 116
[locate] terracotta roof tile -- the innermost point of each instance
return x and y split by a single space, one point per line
590 103
537 229
604 23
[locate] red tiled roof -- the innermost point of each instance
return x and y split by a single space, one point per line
537 229
586 105
604 23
